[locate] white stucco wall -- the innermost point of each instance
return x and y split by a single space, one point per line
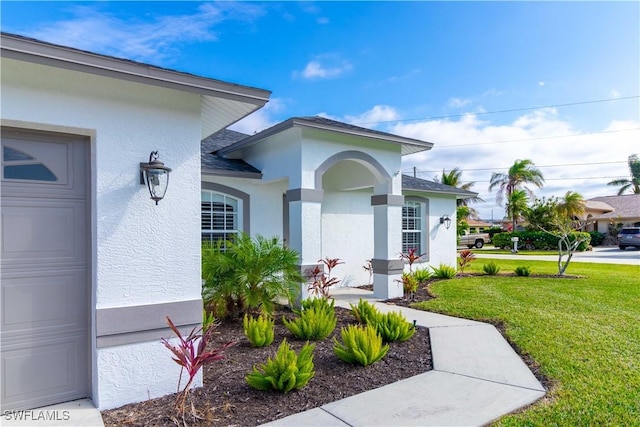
347 233
441 242
142 253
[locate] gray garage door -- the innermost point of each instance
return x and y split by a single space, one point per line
45 288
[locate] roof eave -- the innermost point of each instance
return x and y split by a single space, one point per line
409 145
230 174
36 51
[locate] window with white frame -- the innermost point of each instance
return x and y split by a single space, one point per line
220 214
412 226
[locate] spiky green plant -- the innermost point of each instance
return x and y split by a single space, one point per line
364 312
491 268
284 372
523 270
360 344
315 322
444 272
248 273
259 330
393 326
422 275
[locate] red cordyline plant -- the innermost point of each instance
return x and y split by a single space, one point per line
321 281
466 256
192 354
411 257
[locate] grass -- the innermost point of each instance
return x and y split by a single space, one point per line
584 332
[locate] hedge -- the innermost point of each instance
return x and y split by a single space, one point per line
538 239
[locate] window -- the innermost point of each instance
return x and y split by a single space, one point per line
220 215
412 226
20 165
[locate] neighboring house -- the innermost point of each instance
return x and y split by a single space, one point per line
606 212
91 266
329 189
478 226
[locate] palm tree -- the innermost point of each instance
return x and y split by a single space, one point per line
571 205
454 179
522 172
632 184
516 206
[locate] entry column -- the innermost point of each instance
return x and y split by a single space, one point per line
387 235
305 228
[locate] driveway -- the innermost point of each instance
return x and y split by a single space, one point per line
600 254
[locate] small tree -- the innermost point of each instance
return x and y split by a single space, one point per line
568 240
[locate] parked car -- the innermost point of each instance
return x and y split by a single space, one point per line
477 240
629 237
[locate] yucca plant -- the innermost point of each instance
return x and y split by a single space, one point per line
259 330
393 326
491 268
316 322
360 344
364 312
444 272
284 372
248 273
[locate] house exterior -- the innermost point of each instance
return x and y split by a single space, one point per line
329 189
606 212
91 266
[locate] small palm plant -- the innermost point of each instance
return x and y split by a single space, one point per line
248 273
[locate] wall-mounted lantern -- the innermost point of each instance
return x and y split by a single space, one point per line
444 219
156 175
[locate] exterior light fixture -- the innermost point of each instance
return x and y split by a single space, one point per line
156 175
444 219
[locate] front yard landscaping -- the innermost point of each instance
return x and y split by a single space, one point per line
584 333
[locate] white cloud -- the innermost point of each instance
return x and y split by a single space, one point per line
587 161
324 67
261 119
368 119
154 39
615 93
458 102
541 83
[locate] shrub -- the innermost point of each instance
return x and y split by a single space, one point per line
315 322
523 270
365 313
286 371
491 268
597 238
192 354
361 344
248 273
409 284
535 240
411 257
422 275
444 272
393 326
466 256
321 282
259 330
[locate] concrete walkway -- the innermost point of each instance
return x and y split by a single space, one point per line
476 378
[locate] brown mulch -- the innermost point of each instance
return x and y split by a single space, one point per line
227 400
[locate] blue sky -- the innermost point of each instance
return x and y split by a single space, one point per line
486 82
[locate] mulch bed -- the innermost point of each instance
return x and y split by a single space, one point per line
227 400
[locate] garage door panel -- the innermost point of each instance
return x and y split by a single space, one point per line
42 231
44 371
45 302
44 318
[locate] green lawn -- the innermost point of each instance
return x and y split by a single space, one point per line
585 334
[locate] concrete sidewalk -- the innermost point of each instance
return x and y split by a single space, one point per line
477 378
